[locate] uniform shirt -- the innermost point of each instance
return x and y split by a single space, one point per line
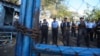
98 28
54 24
73 25
66 25
90 25
44 26
83 25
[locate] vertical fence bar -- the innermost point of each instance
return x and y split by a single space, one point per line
29 20
23 45
36 14
19 39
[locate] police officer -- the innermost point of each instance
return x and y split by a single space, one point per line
73 29
61 26
54 31
66 34
97 29
82 32
44 31
90 28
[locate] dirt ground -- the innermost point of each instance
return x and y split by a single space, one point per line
9 49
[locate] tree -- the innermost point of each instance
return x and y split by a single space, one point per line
47 3
96 13
50 5
93 15
63 11
56 7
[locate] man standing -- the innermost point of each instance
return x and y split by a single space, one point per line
61 27
66 35
73 29
97 29
54 31
90 28
44 31
82 32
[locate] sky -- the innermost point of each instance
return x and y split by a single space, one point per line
81 5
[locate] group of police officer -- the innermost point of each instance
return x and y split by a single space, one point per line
86 30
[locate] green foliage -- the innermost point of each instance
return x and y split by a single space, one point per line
96 13
47 3
63 11
57 9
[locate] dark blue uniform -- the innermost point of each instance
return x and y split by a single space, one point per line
82 34
66 34
44 32
97 29
73 29
61 26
